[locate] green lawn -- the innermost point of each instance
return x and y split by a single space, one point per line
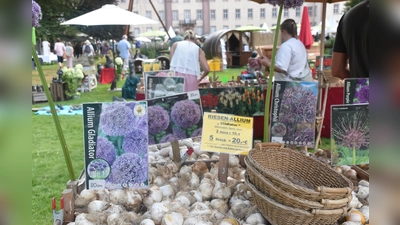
49 171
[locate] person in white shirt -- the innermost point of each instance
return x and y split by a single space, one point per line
291 62
186 59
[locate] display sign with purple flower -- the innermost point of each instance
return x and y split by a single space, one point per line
350 134
356 90
293 112
157 86
174 117
116 143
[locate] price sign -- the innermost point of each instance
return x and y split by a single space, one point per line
227 133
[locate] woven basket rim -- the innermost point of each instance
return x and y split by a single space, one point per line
288 182
287 195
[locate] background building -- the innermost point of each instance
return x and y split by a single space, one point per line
208 16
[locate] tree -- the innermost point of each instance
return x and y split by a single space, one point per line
350 4
56 11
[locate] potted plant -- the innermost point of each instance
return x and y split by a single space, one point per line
73 77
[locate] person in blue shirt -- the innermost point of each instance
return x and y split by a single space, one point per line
177 38
125 52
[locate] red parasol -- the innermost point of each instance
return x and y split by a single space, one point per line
305 35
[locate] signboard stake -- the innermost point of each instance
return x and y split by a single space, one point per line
223 167
69 206
176 151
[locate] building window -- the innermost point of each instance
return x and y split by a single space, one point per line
186 0
285 12
175 15
237 26
335 8
162 15
274 15
225 14
174 0
160 1
212 14
199 13
148 14
187 15
315 11
310 11
213 29
250 13
147 1
137 12
298 13
123 1
136 32
225 27
262 13
135 1
237 13
199 30
149 29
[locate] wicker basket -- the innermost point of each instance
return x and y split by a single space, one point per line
298 174
266 187
278 214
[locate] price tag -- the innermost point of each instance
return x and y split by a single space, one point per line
227 133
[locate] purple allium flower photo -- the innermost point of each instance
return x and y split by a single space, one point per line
352 130
36 14
179 133
197 132
98 169
128 168
186 113
136 142
362 95
286 3
151 141
105 150
278 130
117 119
168 138
297 112
362 81
158 119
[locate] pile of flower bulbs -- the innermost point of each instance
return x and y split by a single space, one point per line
189 195
359 206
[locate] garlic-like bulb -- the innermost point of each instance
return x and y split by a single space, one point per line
81 220
187 142
196 221
198 195
85 197
345 168
365 211
157 212
134 200
338 170
173 167
363 192
354 203
206 190
214 168
164 152
152 196
172 219
214 157
147 222
167 190
152 148
233 161
159 181
112 208
203 156
355 216
199 168
351 174
185 202
200 209
363 183
255 218
185 169
118 196
221 191
229 221
96 206
194 181
216 216
220 205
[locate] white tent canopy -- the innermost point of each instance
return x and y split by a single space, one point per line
266 28
330 27
109 15
142 39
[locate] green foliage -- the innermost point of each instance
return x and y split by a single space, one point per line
149 51
350 4
346 157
